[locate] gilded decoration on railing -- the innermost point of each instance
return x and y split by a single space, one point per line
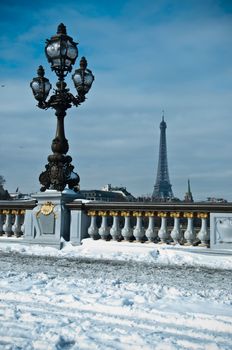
175 215
162 214
114 213
12 211
149 213
188 215
202 215
102 213
125 213
91 213
46 209
137 213
15 212
6 211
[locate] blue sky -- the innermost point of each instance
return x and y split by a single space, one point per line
146 56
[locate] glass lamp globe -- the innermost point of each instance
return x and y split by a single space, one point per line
61 51
83 78
40 86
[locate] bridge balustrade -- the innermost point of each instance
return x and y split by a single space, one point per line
165 223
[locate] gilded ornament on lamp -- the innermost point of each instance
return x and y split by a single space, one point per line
175 215
188 215
202 215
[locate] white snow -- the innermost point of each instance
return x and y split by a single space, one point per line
151 253
51 308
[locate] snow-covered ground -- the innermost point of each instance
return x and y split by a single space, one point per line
110 295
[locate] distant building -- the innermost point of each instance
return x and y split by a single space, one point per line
19 195
103 196
188 195
108 194
216 200
120 190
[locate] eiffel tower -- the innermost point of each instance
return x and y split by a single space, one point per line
163 188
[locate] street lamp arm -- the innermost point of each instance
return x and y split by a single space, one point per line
77 100
43 105
64 99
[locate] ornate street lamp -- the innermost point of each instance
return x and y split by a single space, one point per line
61 52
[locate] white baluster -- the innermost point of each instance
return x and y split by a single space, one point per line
23 214
17 227
115 230
138 231
1 223
23 226
203 235
176 233
163 232
127 231
7 227
150 232
104 230
189 234
93 229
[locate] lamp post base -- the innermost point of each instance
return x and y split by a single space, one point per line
59 173
49 222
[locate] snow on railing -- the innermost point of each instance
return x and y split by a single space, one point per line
12 214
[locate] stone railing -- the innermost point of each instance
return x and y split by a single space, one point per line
172 223
12 214
175 223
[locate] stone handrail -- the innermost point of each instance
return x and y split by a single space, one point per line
143 206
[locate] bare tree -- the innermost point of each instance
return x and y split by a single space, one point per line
2 180
4 195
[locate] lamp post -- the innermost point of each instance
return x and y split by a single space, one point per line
61 52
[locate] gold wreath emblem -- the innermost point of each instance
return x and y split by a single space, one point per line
47 208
